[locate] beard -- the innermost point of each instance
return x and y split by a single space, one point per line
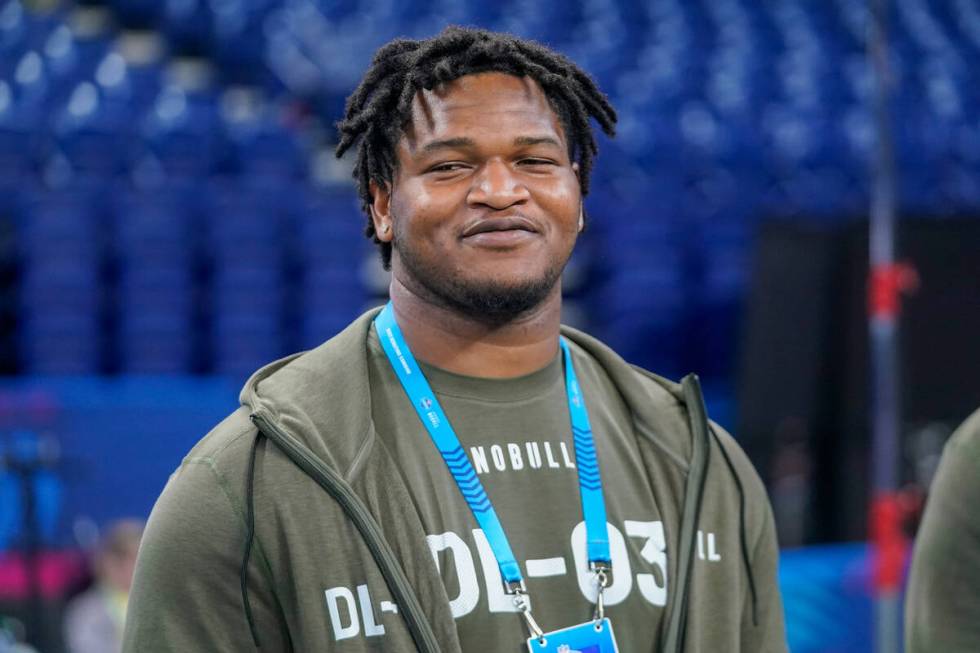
492 302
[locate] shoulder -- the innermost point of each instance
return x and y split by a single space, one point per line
186 588
732 469
205 493
198 522
227 442
965 441
739 461
958 475
215 462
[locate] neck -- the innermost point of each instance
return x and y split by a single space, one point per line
445 339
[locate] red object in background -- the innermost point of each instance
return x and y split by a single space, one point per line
57 573
891 544
885 287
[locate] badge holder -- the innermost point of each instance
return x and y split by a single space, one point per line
590 637
594 636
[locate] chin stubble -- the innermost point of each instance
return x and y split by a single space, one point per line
488 302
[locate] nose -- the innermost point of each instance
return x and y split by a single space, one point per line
497 187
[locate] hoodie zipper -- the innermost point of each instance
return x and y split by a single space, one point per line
338 488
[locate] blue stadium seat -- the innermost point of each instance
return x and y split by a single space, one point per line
63 225
243 343
264 147
336 258
20 129
182 129
188 24
62 250
247 231
331 232
333 291
156 328
60 287
95 136
155 344
141 13
961 186
64 344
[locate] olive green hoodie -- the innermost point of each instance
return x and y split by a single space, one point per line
293 500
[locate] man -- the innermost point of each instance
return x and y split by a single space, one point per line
459 472
942 610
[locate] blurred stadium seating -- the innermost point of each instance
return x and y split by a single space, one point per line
167 165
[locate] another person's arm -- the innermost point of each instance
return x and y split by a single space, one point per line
942 611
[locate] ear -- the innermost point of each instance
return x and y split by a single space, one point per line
381 212
581 217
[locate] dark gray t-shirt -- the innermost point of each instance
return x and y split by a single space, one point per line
517 434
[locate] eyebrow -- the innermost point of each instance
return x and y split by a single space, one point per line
536 140
468 143
449 144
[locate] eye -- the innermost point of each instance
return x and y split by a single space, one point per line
533 161
450 166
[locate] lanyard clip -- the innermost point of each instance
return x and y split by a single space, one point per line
603 572
512 587
522 603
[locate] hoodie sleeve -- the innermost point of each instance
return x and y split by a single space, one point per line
942 610
186 593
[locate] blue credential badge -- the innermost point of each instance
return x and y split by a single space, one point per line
590 637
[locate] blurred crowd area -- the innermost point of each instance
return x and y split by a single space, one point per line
78 602
172 217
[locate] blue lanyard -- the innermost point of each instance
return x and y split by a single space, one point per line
441 431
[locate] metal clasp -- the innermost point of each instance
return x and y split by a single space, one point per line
512 587
602 571
521 603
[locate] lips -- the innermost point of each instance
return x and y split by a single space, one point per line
488 225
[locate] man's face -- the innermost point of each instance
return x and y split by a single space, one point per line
485 206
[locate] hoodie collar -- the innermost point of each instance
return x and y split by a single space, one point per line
323 396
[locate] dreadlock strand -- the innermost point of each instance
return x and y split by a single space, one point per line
387 60
596 101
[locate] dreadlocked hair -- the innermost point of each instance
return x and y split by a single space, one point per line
378 111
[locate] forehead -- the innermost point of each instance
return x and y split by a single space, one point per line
484 104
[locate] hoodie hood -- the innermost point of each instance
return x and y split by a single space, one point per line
304 394
331 412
